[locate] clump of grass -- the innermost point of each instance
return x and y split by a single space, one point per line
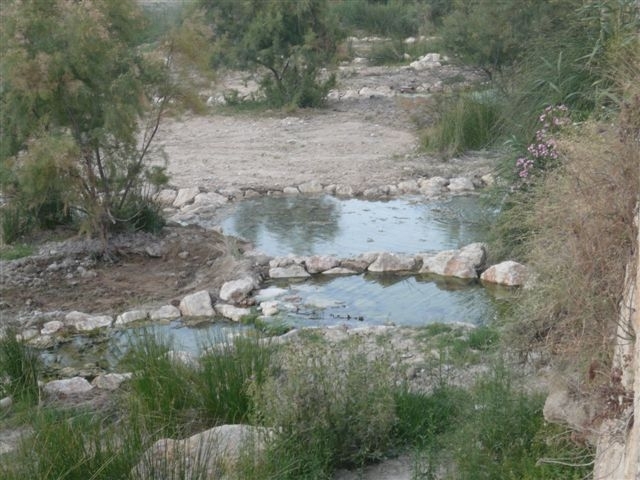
500 433
463 122
226 372
13 252
19 368
333 407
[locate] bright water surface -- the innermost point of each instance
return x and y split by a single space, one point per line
330 226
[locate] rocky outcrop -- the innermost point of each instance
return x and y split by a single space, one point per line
214 453
618 442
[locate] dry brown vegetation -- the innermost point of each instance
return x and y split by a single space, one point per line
583 218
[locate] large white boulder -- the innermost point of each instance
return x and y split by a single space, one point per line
166 312
462 263
131 316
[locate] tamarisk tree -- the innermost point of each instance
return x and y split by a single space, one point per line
80 104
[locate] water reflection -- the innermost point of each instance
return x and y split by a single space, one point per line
326 225
376 299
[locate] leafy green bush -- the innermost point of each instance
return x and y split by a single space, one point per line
288 40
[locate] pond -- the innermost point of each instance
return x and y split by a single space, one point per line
342 227
345 227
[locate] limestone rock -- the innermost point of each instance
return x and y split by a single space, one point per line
269 308
426 62
434 186
409 186
214 453
5 402
320 263
340 271
463 263
232 312
197 305
110 381
508 273
344 191
460 184
237 290
185 196
291 191
209 199
157 249
83 322
166 197
392 262
68 386
131 316
311 187
292 271
166 312
51 327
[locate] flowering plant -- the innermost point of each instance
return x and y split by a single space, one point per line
543 149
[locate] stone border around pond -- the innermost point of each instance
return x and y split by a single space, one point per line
185 204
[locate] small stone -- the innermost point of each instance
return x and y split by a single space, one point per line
131 316
237 290
183 255
166 197
51 327
110 381
409 186
507 273
292 271
68 386
291 191
6 402
269 308
156 250
391 262
320 263
460 184
340 271
84 322
166 312
311 187
232 312
344 191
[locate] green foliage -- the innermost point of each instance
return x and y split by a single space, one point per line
19 367
493 35
334 407
464 122
163 386
13 252
508 437
423 418
226 372
79 90
291 40
392 18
